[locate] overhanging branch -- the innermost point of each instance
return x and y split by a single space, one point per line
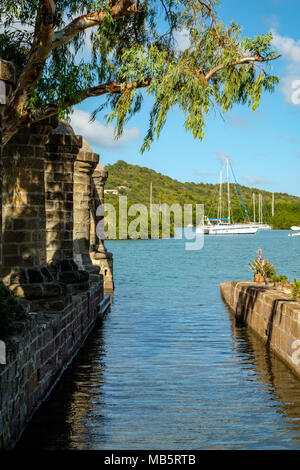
242 61
121 9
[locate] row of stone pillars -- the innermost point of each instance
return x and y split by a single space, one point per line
52 183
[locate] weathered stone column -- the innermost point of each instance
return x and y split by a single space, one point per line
61 152
85 165
24 218
60 156
100 256
24 266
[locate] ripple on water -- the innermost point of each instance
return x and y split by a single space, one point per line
169 369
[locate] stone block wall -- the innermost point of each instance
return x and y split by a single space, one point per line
60 155
46 202
85 164
271 314
23 199
99 254
38 354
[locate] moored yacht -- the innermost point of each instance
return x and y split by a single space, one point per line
233 229
221 226
295 228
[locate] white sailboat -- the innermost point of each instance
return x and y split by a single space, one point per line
295 228
221 226
261 225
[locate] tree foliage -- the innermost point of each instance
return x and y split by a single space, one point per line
129 45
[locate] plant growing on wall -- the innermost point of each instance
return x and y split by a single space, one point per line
68 51
281 279
262 268
256 266
269 270
296 290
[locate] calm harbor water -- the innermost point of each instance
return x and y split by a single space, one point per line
169 369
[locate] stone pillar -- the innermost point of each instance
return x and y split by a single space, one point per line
61 153
24 218
24 266
85 165
100 256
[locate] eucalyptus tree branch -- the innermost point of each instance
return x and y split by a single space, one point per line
28 118
242 61
40 51
44 42
121 9
48 6
210 13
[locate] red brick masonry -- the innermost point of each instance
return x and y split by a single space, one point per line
270 313
37 357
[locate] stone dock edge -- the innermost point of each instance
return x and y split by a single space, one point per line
271 314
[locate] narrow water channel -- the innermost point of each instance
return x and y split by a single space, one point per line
169 369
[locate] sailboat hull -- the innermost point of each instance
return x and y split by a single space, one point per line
202 230
233 229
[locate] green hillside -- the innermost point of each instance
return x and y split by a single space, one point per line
170 191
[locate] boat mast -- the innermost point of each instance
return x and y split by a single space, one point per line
254 215
260 209
220 197
239 191
151 199
228 190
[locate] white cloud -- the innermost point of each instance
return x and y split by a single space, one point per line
272 22
222 157
241 122
99 135
290 48
256 180
288 138
182 39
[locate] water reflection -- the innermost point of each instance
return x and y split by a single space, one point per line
64 420
60 423
277 380
169 369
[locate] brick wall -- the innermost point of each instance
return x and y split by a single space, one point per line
60 155
46 208
37 357
271 314
85 163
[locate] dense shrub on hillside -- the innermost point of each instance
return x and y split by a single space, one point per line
286 215
170 191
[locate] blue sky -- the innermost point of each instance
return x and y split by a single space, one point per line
264 146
